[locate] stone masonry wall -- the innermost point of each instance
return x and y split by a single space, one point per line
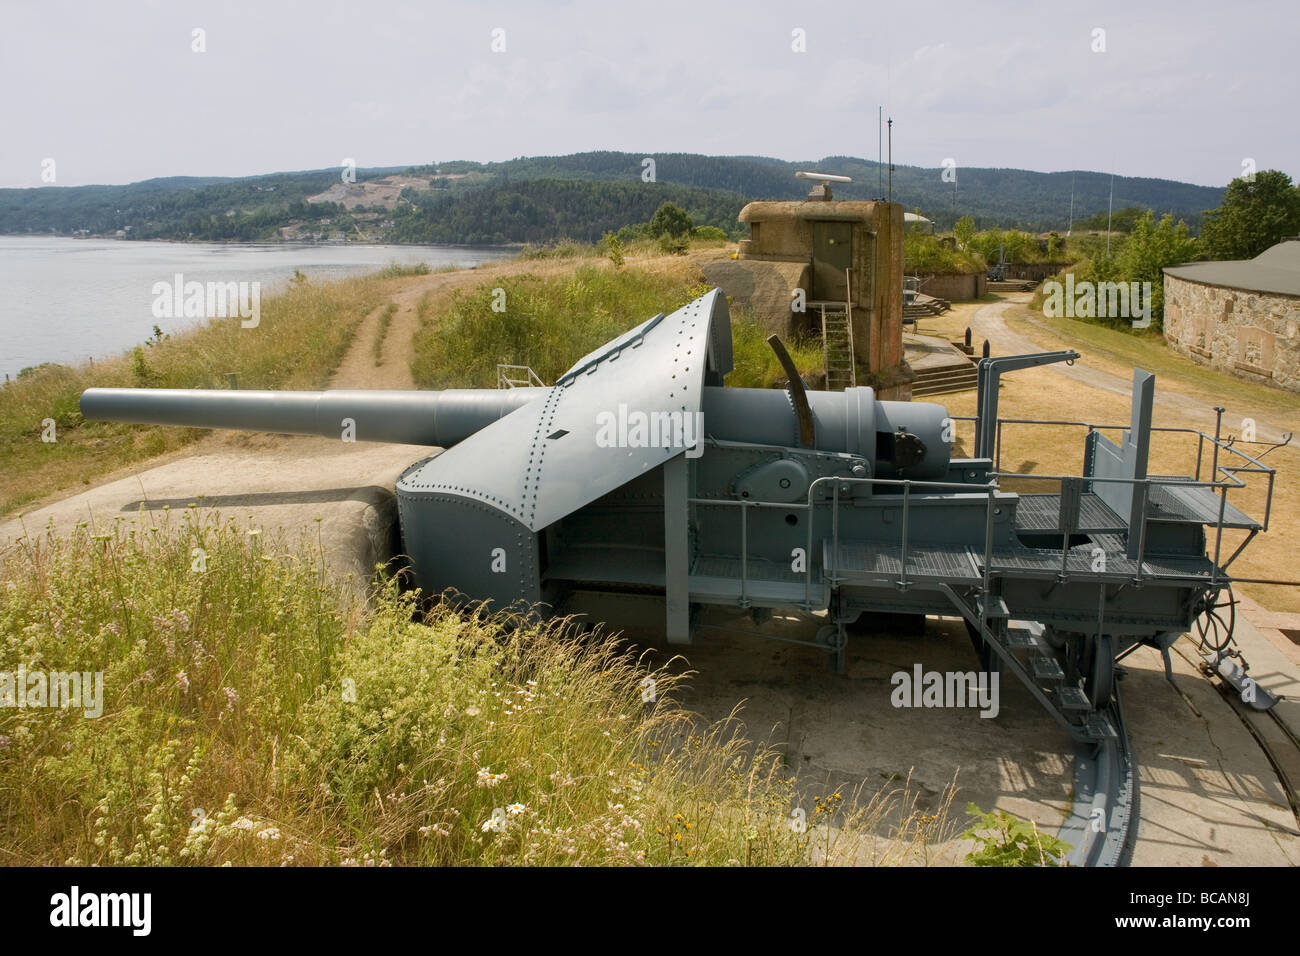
1253 335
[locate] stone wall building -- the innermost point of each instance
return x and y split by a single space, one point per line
834 251
1239 317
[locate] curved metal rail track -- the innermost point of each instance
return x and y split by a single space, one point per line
1103 820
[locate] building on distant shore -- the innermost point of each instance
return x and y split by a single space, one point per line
1240 317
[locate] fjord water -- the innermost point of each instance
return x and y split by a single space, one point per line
65 300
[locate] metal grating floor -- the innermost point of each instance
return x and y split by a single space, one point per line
757 569
864 561
1199 504
1166 503
1038 562
1042 513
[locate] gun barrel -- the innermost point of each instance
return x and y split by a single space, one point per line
440 418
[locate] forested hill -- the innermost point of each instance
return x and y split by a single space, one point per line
544 197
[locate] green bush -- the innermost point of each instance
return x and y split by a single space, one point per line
1006 840
925 253
710 234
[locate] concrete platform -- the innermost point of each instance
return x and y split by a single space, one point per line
279 484
1209 796
929 352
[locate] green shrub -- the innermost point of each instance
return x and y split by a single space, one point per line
1006 840
395 270
925 253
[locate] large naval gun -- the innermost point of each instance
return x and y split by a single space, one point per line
638 478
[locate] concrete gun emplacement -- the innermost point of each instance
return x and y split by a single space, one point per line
639 481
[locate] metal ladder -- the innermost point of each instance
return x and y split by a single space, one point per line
837 341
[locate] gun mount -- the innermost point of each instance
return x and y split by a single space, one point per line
638 475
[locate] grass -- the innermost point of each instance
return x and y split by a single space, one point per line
549 322
559 249
395 270
300 340
1118 351
755 364
251 715
381 332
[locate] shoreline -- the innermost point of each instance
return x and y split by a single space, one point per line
252 243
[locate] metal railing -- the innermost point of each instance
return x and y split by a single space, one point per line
809 506
1231 479
518 376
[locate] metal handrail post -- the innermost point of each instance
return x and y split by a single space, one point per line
744 553
902 558
835 530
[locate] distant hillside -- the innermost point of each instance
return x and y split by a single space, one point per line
544 197
536 210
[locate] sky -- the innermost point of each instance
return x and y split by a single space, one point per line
118 92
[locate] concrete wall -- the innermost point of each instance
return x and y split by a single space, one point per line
886 270
1037 271
1255 336
765 287
956 285
783 232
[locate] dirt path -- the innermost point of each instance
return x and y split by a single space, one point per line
392 370
358 369
390 366
989 321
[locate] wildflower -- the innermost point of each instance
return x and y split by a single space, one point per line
515 809
270 833
486 778
183 682
254 532
243 823
494 824
472 711
232 697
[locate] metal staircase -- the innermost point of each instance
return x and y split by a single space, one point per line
837 341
